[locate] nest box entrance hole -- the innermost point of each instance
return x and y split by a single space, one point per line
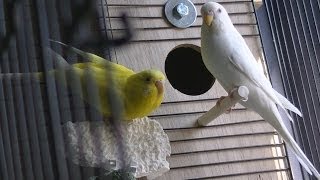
186 71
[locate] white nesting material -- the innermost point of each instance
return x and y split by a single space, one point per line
146 144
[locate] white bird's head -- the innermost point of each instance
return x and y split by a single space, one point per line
215 16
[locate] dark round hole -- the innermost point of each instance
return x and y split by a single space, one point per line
186 72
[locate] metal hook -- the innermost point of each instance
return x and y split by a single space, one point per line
107 42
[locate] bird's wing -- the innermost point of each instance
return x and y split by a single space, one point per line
255 77
243 60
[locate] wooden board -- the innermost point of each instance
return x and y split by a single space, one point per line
223 170
157 11
238 145
159 23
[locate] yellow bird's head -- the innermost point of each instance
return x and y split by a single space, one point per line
144 93
214 15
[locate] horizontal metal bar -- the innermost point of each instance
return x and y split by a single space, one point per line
231 162
182 114
185 39
161 17
171 27
225 124
226 136
245 173
228 149
160 5
188 101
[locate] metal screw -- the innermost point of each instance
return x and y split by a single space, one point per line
182 10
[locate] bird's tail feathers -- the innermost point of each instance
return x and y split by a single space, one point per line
59 61
288 115
302 158
287 104
304 165
88 56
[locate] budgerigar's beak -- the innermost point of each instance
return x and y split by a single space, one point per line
208 18
160 86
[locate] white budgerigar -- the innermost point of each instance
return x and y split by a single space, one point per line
227 56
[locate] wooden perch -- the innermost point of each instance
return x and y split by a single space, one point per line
236 95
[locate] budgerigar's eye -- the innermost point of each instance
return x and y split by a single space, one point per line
148 79
219 10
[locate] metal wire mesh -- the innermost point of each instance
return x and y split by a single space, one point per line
294 42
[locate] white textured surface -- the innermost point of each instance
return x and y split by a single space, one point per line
147 146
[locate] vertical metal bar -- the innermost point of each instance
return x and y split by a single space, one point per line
20 115
17 123
295 69
6 166
116 106
294 65
40 124
312 53
279 41
102 14
303 102
3 109
286 68
95 115
285 76
315 77
271 18
316 22
308 66
297 39
62 90
27 93
42 132
268 47
268 7
78 111
66 111
51 93
12 126
281 55
65 10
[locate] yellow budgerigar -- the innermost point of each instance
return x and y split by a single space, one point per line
139 93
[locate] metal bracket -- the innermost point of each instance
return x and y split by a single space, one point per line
180 13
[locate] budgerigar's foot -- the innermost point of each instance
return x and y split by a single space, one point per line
220 99
230 94
228 110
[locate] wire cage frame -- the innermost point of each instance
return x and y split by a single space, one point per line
289 31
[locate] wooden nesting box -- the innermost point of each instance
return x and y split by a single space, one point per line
238 145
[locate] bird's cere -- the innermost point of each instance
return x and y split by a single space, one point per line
160 86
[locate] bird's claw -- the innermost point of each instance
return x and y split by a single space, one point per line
220 99
219 103
228 111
